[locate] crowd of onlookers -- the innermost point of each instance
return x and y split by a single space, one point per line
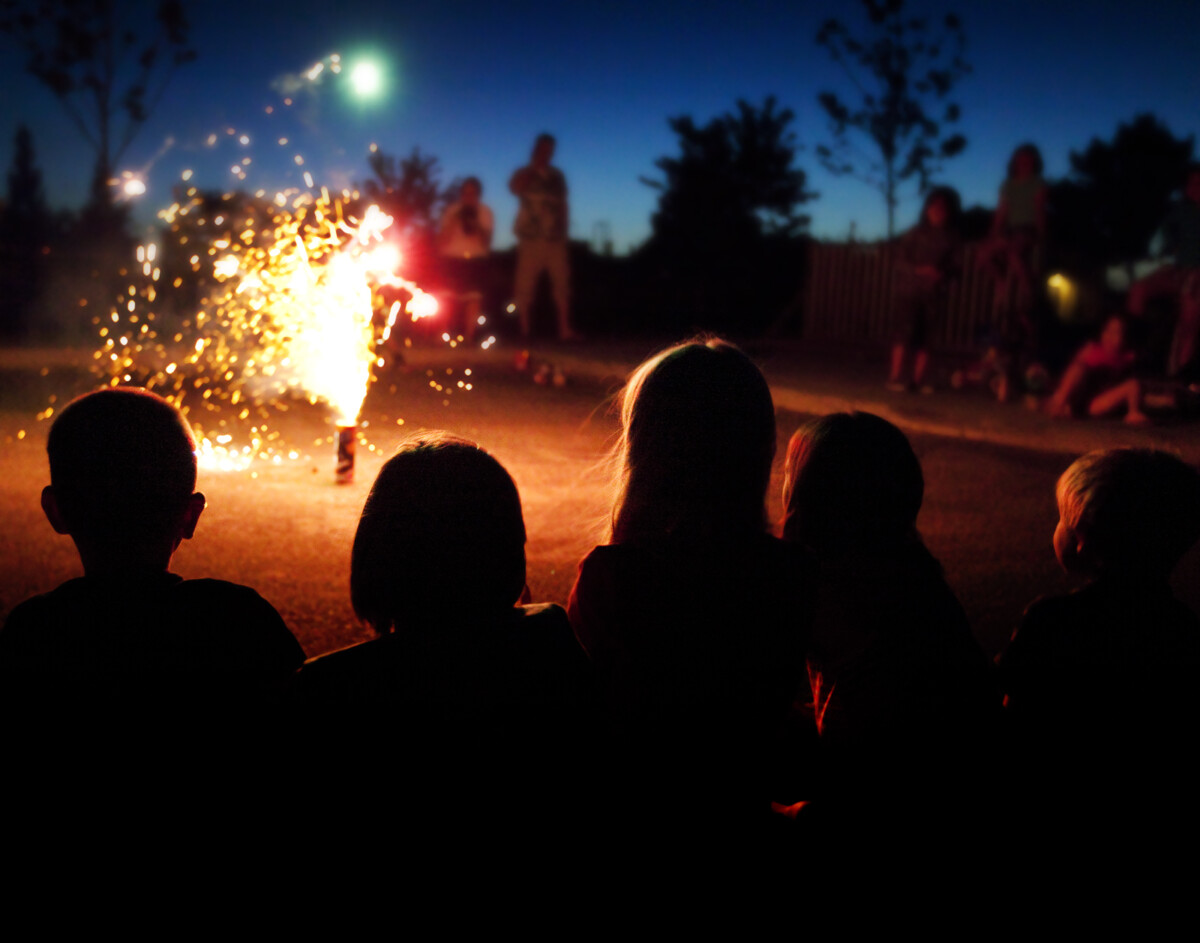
706 678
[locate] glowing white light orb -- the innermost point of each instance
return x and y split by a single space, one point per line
366 79
133 187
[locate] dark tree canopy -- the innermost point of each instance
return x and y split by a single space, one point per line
28 230
409 190
107 62
26 213
734 179
725 252
1120 190
903 69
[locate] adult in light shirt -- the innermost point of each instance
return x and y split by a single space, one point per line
541 230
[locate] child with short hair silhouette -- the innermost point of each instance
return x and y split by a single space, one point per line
488 702
131 647
1100 684
438 572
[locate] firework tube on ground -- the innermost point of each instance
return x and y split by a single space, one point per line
345 454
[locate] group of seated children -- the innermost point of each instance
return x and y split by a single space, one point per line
706 675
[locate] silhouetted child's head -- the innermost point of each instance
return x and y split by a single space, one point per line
697 440
1127 512
441 535
851 481
942 208
122 479
1026 161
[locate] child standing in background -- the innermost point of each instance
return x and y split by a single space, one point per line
1100 684
1012 254
1019 226
928 260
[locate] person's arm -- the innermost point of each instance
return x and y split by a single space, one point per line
445 225
566 208
519 181
1058 404
909 251
487 224
581 608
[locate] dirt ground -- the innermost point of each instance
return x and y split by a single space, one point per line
287 530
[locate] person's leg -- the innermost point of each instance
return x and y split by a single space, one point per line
559 268
906 317
529 267
1183 342
989 258
995 258
920 365
471 310
922 325
898 352
1127 394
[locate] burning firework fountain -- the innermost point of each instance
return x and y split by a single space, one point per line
251 303
293 309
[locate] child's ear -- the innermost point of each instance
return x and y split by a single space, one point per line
1080 559
53 514
1083 553
191 516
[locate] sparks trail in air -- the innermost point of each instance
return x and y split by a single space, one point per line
250 304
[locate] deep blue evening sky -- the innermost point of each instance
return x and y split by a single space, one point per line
473 83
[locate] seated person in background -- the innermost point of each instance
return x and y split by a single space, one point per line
1101 684
904 698
130 649
464 241
475 699
1098 382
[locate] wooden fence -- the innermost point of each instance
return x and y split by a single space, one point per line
849 297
